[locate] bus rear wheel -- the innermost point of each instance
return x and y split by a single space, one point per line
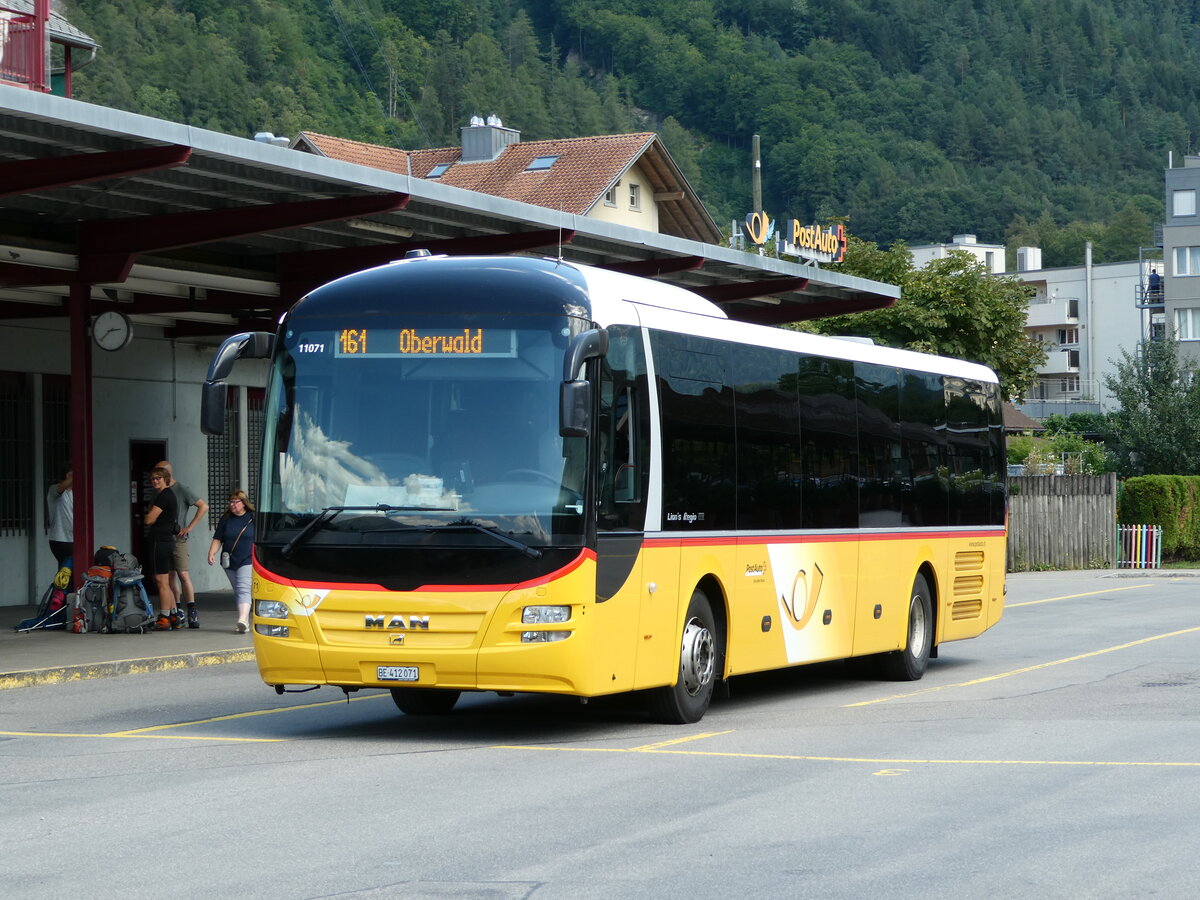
424 701
909 664
687 700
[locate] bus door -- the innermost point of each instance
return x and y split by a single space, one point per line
622 434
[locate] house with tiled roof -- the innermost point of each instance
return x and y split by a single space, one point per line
626 179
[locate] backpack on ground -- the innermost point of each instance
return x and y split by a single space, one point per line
131 610
52 610
91 604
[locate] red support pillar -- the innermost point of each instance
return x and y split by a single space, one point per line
81 425
40 74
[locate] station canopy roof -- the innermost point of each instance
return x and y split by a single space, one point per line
206 234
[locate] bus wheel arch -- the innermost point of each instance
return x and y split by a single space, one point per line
931 581
701 659
909 662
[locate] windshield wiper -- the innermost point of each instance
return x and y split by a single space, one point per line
531 552
329 513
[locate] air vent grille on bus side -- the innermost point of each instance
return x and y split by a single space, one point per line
968 560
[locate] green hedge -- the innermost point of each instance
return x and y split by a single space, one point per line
1172 501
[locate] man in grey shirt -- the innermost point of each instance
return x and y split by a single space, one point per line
180 563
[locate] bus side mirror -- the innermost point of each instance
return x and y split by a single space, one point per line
575 395
247 345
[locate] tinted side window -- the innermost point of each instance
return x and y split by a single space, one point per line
829 436
769 475
999 458
923 438
697 410
880 464
623 431
969 457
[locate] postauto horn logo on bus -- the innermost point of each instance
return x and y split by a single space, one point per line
807 241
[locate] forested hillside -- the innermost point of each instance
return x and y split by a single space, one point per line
1027 121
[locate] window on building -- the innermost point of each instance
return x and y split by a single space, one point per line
635 196
16 455
1187 324
1183 203
610 196
1068 335
1187 260
989 259
541 163
438 171
1072 358
1069 385
224 463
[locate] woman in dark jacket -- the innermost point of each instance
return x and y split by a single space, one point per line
233 538
161 522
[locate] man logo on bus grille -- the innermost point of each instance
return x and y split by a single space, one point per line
397 622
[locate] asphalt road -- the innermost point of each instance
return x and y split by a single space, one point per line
1056 756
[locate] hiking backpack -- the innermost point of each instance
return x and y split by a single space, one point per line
131 613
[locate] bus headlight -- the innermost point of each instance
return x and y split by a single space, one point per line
543 637
270 609
545 615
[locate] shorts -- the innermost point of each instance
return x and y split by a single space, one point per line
179 556
159 562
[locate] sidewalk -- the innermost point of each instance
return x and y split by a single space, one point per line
49 657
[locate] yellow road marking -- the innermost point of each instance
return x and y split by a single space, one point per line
866 759
683 740
1045 665
1132 587
243 715
145 732
160 737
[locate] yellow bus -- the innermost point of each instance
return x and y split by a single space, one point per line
513 474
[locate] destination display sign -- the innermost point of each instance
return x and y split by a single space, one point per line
423 343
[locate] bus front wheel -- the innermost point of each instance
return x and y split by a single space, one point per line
424 701
687 700
909 663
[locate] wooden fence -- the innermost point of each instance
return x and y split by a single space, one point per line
1062 522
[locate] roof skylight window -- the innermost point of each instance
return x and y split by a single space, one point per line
541 163
438 171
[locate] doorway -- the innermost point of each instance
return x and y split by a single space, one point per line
142 457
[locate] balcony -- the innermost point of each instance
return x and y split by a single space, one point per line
1149 296
21 63
40 49
1059 311
1060 361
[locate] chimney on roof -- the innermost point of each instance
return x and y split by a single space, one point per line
484 141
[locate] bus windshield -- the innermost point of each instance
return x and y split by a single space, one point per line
391 429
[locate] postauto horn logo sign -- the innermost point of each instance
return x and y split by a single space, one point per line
806 241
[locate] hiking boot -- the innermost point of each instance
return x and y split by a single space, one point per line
193 617
176 619
162 623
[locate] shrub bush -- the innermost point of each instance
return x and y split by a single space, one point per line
1172 501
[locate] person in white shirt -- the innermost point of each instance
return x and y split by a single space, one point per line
60 501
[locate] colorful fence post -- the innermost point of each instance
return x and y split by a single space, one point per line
1139 546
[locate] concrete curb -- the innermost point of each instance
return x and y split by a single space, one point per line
87 671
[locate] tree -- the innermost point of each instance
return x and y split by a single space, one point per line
952 307
1158 421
